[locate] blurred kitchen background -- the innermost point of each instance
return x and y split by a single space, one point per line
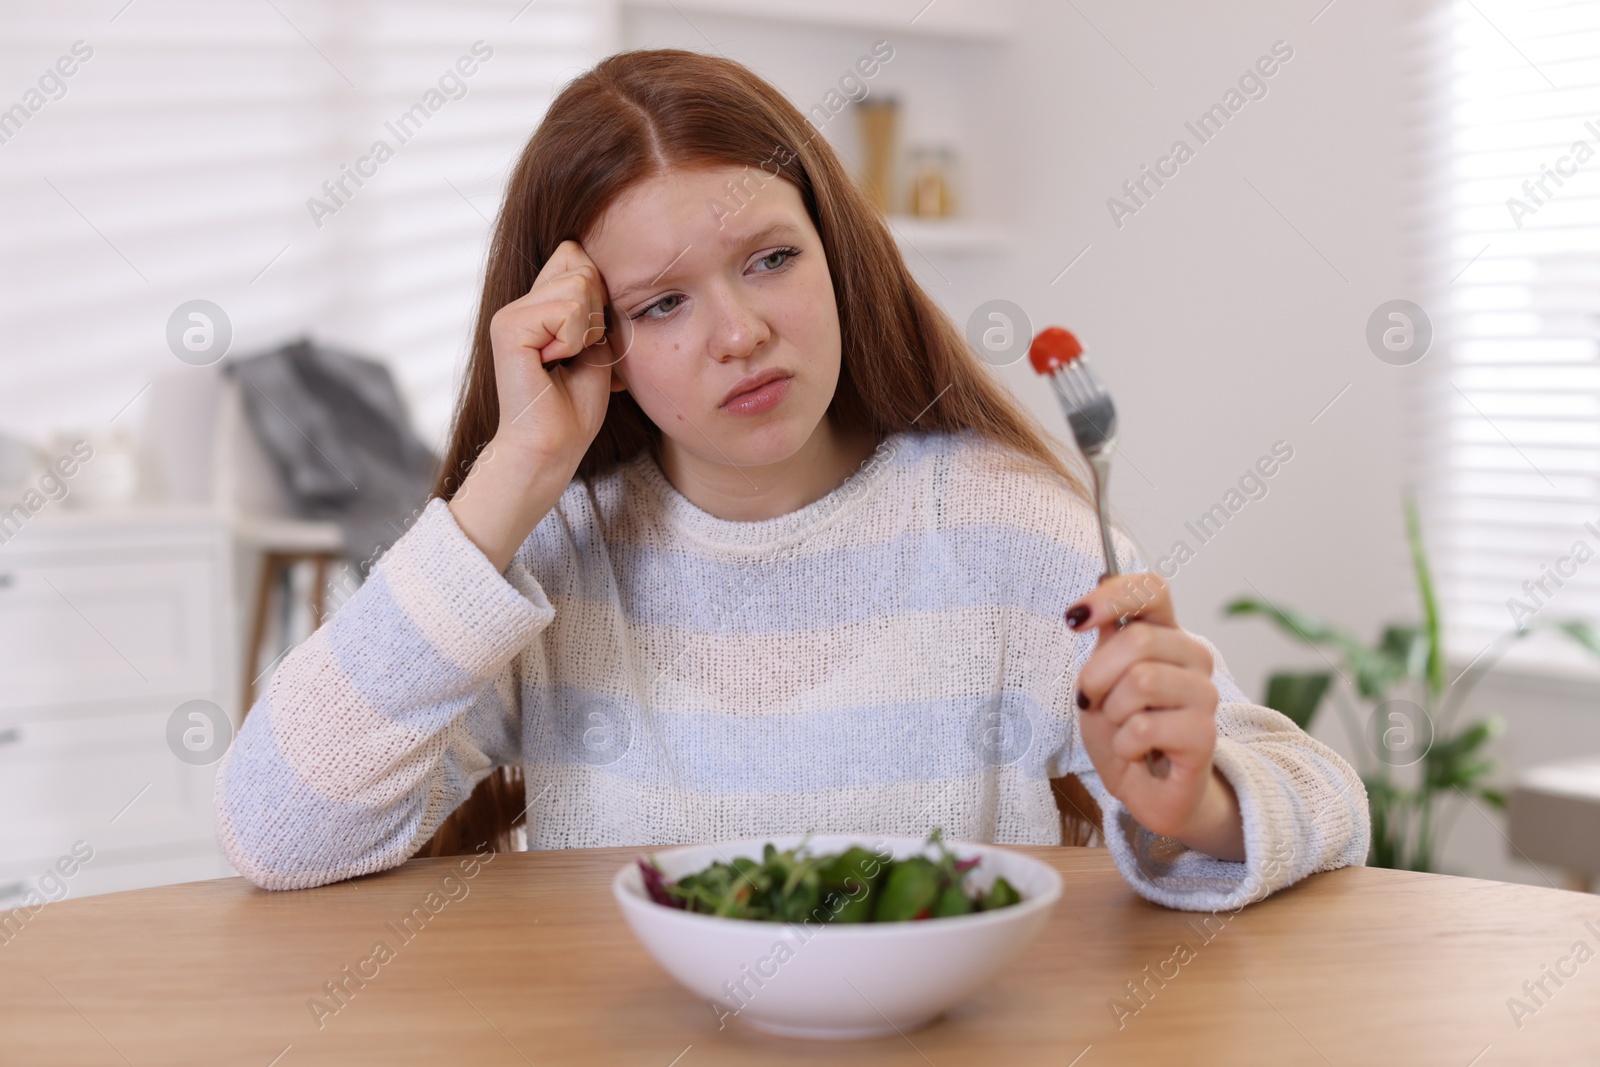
203 316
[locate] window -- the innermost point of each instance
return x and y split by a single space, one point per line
153 153
1508 402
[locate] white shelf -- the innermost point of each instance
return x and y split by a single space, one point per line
970 20
948 237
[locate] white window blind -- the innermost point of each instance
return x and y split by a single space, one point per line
1507 412
177 161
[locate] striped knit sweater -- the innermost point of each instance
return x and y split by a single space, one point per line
884 660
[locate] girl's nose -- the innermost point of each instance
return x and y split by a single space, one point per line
740 328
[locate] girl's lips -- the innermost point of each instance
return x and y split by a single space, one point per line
756 401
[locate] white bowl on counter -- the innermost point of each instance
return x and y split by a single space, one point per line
848 980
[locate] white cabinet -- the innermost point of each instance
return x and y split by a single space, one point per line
77 630
108 622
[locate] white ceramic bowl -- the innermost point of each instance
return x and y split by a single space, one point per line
837 981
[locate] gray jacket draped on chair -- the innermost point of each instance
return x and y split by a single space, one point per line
336 429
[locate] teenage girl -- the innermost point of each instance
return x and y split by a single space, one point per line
737 538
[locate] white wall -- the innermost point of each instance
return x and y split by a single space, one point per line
1214 315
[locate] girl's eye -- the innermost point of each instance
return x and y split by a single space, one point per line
781 255
665 305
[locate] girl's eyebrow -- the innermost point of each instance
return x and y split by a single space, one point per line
767 233
777 229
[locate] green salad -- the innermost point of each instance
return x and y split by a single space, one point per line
853 886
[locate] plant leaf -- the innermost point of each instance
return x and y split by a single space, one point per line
1375 670
1381 792
1580 631
1409 646
1298 694
1430 603
1450 763
1295 623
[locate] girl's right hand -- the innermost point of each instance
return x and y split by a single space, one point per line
551 412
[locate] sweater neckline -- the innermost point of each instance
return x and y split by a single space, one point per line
685 517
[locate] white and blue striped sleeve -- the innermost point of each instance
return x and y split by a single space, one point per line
379 724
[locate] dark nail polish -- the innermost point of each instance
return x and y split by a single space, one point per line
1083 701
1076 615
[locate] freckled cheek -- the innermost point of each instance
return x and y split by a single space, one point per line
805 318
811 322
663 373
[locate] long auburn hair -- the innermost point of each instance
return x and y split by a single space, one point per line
904 364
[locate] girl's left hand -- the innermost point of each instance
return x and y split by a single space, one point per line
1148 686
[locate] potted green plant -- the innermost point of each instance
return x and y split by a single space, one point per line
1411 754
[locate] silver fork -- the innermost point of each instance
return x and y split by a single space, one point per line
1093 419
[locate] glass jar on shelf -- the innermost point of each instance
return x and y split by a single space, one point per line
932 193
878 120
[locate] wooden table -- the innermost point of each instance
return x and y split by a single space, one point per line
533 965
